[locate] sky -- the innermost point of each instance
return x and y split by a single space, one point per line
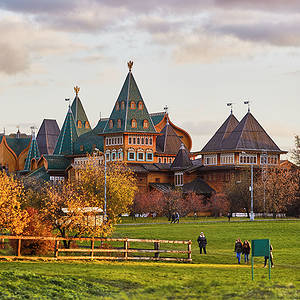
194 56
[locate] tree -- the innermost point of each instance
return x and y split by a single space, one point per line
74 208
296 151
12 217
281 189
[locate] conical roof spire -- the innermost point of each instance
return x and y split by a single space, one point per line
249 135
130 113
80 118
182 160
33 151
67 136
216 142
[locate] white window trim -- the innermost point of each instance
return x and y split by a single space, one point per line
227 159
211 157
250 156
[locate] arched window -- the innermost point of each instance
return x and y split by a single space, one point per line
119 123
87 125
117 105
111 124
79 124
133 123
140 105
132 105
146 124
122 105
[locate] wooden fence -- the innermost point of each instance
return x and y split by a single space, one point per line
124 252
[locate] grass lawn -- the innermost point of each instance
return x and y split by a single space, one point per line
212 276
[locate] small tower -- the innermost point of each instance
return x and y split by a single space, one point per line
33 150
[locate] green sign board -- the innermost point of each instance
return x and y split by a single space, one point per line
260 247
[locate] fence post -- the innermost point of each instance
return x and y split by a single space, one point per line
56 248
190 249
126 249
19 247
156 247
92 247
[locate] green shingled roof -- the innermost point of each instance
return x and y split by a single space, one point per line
67 136
40 173
57 162
80 117
87 142
129 92
32 153
157 117
18 144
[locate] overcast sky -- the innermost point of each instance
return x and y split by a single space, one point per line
194 56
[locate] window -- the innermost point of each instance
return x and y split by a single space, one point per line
133 123
268 159
79 124
146 141
81 148
140 156
150 141
111 124
87 125
120 154
133 141
178 179
131 154
165 160
117 106
142 141
130 140
140 105
146 124
113 155
122 105
119 123
170 160
138 141
246 158
149 156
159 159
107 156
210 159
227 159
132 105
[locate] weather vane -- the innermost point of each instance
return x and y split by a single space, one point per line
248 103
166 109
231 105
76 89
130 64
68 99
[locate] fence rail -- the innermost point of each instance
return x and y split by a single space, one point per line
126 252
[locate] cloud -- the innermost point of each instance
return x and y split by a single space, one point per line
273 33
22 43
205 127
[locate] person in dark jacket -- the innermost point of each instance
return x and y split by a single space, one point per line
246 251
202 242
238 248
271 258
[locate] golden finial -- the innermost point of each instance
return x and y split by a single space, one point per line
76 89
130 64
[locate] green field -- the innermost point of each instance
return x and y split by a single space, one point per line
212 276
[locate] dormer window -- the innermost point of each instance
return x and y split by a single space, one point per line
140 105
87 125
122 105
119 123
79 124
132 105
111 124
133 123
146 124
117 106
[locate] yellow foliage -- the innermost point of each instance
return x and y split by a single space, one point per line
12 217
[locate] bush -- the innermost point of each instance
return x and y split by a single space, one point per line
35 227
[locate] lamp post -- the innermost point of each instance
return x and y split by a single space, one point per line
104 187
251 190
264 160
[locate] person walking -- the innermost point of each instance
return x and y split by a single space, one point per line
246 251
238 248
173 218
271 258
229 216
176 217
202 242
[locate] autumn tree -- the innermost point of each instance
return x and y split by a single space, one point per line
280 189
70 206
12 217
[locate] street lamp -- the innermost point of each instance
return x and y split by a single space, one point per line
104 187
251 190
264 160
